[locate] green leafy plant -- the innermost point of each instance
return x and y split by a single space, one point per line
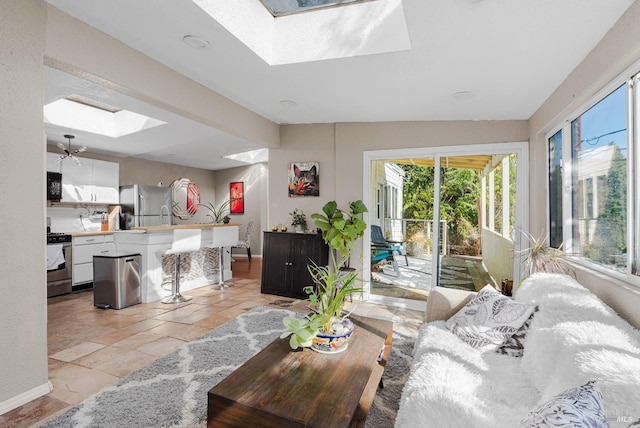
217 214
300 331
340 230
298 218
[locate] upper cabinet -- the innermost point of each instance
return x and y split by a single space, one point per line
53 162
94 181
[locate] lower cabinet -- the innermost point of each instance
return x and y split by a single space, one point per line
284 262
84 248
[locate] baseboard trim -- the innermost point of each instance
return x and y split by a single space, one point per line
25 397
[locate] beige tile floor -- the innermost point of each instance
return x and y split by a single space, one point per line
90 349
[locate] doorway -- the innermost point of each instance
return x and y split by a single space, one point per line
450 216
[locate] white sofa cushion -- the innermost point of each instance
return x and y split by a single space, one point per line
453 384
576 338
489 319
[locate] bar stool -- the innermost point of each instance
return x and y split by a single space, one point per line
224 236
184 241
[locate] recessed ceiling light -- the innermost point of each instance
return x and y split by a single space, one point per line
288 103
196 42
463 95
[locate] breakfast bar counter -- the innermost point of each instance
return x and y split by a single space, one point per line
198 268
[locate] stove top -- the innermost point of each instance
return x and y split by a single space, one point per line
57 238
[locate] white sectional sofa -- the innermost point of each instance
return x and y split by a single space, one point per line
573 338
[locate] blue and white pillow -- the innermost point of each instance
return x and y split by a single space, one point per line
578 407
489 319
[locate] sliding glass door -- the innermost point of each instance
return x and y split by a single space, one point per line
442 217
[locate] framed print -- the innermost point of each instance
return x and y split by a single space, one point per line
304 179
236 192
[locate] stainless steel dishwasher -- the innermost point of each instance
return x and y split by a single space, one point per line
116 280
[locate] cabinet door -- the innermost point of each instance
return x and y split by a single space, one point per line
76 181
304 249
275 263
106 181
53 162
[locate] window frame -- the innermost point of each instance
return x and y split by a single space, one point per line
630 77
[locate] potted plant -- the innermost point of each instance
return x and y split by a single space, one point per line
327 329
298 220
217 214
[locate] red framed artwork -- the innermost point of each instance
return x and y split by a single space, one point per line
236 192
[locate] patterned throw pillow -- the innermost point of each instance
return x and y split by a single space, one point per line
582 406
489 319
514 346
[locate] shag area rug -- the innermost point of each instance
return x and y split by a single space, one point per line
172 391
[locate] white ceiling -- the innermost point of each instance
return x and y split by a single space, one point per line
511 54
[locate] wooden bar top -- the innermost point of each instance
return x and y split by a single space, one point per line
183 226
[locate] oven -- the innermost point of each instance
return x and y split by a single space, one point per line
59 276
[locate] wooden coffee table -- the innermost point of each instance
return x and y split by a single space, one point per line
282 388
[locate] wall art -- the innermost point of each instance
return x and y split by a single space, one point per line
236 196
304 179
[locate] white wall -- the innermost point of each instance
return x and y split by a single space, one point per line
23 310
618 50
255 206
497 255
303 143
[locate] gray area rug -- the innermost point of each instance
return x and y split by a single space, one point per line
172 391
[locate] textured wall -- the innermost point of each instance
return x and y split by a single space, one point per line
23 311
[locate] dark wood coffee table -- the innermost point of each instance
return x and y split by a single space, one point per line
282 388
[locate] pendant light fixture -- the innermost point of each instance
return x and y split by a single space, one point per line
68 152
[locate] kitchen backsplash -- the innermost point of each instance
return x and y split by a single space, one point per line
72 219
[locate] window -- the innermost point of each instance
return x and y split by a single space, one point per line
555 190
280 8
589 172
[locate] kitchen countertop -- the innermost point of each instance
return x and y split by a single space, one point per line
183 226
92 232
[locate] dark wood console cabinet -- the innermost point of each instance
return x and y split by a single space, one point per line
284 262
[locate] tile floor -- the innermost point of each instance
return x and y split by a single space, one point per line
90 349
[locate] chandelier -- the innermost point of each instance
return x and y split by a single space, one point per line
68 152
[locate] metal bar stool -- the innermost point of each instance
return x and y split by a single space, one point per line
224 236
184 241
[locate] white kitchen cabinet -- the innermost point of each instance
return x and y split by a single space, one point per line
84 248
93 181
53 163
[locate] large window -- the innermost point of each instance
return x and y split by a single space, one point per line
589 183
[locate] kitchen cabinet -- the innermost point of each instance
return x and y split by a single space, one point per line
93 181
53 162
284 262
84 248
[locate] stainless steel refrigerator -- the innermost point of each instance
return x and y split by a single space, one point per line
145 206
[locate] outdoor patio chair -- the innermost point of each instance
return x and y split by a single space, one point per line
396 247
381 249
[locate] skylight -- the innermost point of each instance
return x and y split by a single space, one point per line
287 7
251 157
75 112
361 27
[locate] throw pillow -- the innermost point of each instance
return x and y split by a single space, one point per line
582 406
514 346
489 319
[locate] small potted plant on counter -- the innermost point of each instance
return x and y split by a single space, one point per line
298 220
217 214
327 329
